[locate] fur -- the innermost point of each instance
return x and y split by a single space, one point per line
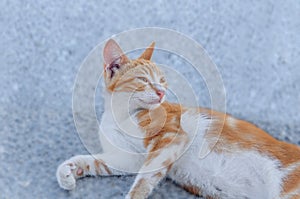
206 152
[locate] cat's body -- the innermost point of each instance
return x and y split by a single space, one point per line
222 158
246 173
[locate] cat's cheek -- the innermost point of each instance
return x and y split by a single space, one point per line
137 103
142 104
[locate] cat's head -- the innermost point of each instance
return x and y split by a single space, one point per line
140 77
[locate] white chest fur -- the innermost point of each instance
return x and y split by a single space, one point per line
125 135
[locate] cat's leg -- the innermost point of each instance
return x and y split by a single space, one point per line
162 155
105 164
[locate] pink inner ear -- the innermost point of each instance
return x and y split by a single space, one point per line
112 52
114 57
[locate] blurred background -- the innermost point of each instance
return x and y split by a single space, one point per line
255 45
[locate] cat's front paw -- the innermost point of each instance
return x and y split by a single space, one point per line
65 175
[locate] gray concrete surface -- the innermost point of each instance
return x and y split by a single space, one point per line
42 44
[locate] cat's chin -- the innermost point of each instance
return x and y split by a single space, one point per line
151 105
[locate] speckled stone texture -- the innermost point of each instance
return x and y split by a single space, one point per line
42 43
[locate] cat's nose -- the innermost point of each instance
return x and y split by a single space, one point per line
160 94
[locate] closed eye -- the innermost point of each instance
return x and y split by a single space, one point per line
162 80
144 79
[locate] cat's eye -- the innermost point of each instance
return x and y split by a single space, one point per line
162 80
144 79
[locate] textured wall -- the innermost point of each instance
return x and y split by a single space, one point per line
254 44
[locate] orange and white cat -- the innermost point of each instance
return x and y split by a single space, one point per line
243 161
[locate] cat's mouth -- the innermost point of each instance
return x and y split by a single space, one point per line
158 101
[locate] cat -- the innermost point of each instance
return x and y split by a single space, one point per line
242 161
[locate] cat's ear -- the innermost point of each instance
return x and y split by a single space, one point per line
113 54
147 54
